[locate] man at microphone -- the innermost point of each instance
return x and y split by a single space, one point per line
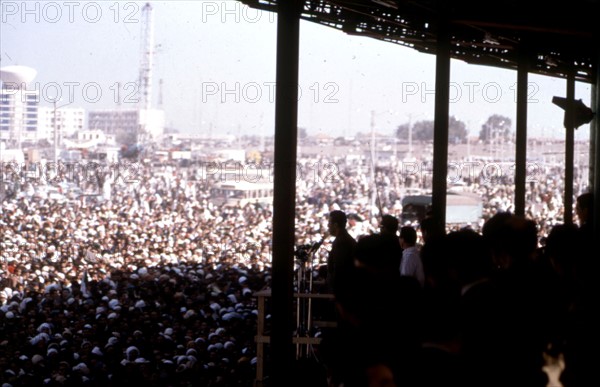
340 262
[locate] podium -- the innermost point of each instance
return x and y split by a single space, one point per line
300 339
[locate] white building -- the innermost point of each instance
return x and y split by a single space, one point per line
95 135
69 122
87 139
18 105
136 122
10 155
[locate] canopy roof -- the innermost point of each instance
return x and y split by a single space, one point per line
555 39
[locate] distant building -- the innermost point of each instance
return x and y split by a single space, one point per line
95 135
11 155
18 105
89 139
69 122
114 122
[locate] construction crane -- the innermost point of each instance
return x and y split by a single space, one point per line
160 94
145 76
147 57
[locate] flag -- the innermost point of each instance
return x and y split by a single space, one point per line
90 256
83 285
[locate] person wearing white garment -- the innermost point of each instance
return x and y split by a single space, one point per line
411 264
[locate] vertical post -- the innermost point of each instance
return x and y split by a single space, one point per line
286 133
569 144
470 126
593 134
55 138
260 343
440 132
596 139
373 183
410 129
521 139
23 122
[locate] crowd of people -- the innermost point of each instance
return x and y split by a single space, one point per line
152 283
154 286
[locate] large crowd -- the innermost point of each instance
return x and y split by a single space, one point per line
151 283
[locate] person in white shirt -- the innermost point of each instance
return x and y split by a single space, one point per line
356 226
411 264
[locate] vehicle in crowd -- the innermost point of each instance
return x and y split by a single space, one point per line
461 208
239 194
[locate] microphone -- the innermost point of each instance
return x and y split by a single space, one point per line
316 245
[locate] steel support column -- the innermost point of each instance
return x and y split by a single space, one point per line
286 132
521 140
440 133
595 157
569 148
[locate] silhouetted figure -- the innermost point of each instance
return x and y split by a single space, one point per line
340 261
440 359
389 230
480 311
582 335
491 231
431 229
523 304
379 254
378 335
389 225
561 252
584 208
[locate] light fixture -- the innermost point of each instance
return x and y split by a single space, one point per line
386 3
489 39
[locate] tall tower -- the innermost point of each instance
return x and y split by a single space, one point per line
147 57
145 77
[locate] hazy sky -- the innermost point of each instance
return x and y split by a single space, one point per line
217 63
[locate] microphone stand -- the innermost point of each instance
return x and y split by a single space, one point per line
304 303
300 289
312 253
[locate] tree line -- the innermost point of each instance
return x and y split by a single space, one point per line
496 128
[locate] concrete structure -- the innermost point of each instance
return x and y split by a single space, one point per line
11 155
89 139
97 136
69 122
129 121
18 105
